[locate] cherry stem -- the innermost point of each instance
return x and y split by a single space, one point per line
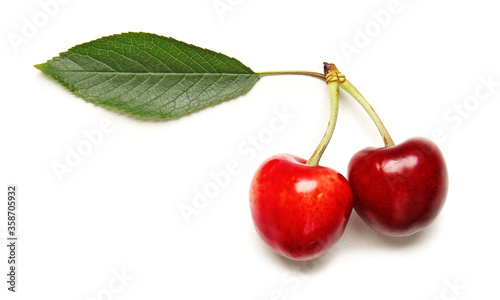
349 88
292 72
333 78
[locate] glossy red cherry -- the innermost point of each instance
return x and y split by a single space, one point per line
299 210
399 190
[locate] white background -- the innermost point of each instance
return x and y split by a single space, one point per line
111 229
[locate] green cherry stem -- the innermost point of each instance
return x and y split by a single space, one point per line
349 88
332 79
335 79
293 72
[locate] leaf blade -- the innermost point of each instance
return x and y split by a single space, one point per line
149 75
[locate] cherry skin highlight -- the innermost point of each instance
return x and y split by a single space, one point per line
399 190
299 210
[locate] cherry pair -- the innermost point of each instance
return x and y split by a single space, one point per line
301 209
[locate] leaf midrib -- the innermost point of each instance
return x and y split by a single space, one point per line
157 73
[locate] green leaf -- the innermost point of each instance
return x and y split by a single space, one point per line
149 75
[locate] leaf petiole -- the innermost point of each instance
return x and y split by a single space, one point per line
292 72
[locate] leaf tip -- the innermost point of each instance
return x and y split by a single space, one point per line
40 67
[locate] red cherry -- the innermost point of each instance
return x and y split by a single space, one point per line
299 210
399 190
